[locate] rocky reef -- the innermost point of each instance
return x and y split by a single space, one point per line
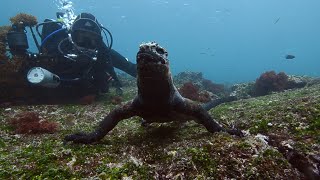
282 142
190 91
188 76
270 82
194 86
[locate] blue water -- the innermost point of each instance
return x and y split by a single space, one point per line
228 40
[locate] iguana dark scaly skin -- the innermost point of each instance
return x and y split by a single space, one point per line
157 101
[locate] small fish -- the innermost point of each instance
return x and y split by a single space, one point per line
289 56
277 21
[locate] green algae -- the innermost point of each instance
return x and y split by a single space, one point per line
260 127
263 166
203 161
167 150
128 169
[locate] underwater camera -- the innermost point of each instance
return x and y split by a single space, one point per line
43 77
17 38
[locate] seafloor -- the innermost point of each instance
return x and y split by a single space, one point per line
282 142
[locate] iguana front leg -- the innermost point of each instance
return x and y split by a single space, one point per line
107 124
203 117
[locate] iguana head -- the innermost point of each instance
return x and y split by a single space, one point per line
152 61
154 78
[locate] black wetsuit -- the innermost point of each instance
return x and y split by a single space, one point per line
70 68
85 67
107 59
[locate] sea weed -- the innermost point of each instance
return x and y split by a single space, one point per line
26 19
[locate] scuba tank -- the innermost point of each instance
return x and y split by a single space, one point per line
52 34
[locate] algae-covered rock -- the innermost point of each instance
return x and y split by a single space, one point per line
314 81
277 126
295 81
242 90
194 77
25 19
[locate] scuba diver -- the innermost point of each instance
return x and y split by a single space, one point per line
85 43
71 56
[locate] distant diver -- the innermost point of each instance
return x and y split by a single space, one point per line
289 56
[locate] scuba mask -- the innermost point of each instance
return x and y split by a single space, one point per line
86 31
86 39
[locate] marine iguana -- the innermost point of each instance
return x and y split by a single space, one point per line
158 100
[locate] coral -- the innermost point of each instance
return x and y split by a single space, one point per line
190 91
26 19
30 123
212 87
270 82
